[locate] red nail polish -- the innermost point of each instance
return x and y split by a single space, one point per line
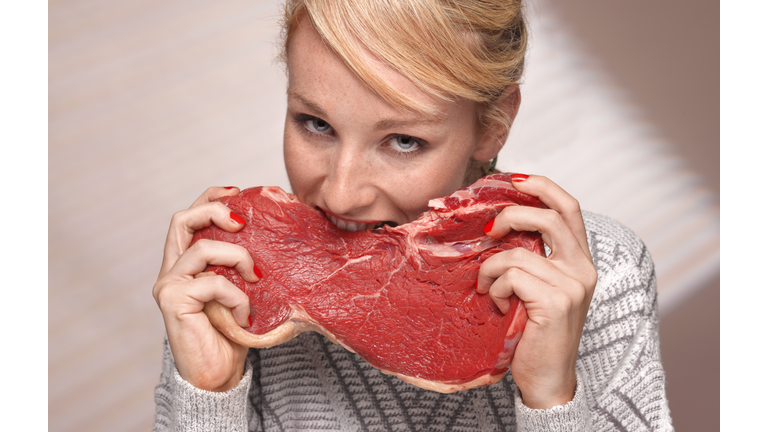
250 322
519 177
229 187
488 227
236 218
257 271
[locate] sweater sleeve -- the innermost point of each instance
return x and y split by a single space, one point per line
619 354
182 407
571 417
620 379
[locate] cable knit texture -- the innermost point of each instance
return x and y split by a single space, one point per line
309 383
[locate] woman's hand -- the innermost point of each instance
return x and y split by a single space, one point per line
556 290
205 358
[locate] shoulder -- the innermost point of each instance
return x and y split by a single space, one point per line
617 252
626 277
614 246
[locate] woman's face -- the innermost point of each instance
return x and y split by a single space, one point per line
356 157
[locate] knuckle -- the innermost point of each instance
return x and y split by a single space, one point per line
156 291
571 205
246 257
561 303
178 217
209 195
218 282
235 247
500 287
577 292
202 246
496 296
221 283
591 278
217 207
552 217
506 211
163 297
512 275
517 253
493 261
586 273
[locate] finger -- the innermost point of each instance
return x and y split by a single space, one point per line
204 289
210 252
214 193
528 288
186 222
554 231
497 278
557 199
498 264
564 304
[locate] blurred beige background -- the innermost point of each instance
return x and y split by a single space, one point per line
150 102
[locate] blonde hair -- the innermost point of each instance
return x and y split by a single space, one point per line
471 49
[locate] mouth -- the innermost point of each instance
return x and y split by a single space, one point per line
354 226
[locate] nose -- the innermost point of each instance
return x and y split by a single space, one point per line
348 188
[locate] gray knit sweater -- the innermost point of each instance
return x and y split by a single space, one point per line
310 384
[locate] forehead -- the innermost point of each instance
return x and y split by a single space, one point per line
314 69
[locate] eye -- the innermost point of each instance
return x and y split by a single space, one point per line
405 143
317 125
313 127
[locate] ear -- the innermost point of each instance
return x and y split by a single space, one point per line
493 139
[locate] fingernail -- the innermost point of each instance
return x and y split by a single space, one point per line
250 322
257 271
236 218
488 227
229 187
519 177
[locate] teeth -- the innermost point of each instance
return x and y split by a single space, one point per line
347 225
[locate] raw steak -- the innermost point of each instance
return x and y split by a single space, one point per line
402 298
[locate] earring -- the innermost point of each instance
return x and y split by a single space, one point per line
493 165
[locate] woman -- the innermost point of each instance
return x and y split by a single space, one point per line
391 104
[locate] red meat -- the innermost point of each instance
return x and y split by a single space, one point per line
402 298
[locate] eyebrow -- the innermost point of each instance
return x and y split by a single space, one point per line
388 123
315 108
392 123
